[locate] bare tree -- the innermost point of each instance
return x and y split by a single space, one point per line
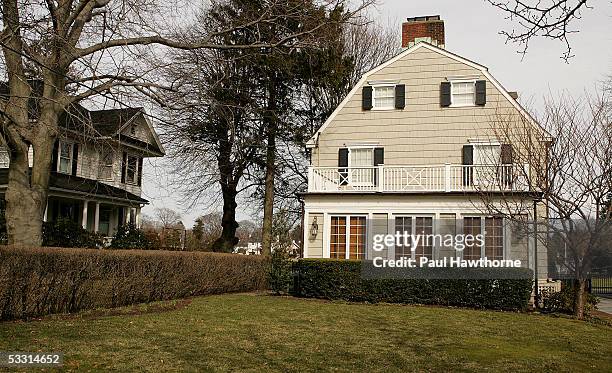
167 218
78 50
551 19
363 45
215 139
566 164
205 232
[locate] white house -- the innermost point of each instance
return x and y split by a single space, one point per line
97 167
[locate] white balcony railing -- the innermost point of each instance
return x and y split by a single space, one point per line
433 178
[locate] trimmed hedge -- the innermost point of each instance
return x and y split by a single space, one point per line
342 280
41 281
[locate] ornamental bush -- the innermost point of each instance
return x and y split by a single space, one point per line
130 237
563 301
342 280
68 233
41 281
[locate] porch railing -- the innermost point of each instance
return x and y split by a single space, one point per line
430 178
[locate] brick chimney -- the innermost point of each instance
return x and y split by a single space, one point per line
427 28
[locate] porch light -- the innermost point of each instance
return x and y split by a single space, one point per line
314 228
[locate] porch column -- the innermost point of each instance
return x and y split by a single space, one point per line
46 210
138 217
84 217
97 217
128 215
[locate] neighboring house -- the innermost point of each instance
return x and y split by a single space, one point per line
97 167
252 248
410 149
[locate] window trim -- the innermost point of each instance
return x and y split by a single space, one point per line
483 248
477 144
59 156
452 82
347 241
350 165
378 86
127 162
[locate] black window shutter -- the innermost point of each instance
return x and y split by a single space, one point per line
54 156
481 92
506 154
139 171
467 158
379 156
468 155
123 164
342 165
400 96
75 158
445 94
366 98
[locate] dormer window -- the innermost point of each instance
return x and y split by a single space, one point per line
133 130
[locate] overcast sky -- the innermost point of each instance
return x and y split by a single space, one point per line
472 30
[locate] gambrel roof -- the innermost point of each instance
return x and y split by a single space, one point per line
312 142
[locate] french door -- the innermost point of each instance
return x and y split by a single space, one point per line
348 236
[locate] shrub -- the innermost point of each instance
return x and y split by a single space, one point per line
40 281
281 275
67 233
342 279
563 301
130 237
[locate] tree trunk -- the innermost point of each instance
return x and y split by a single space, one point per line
271 128
579 298
266 239
26 194
228 238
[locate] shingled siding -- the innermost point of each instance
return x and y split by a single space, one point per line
422 133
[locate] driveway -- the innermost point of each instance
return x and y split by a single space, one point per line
605 305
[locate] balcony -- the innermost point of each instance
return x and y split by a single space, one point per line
418 179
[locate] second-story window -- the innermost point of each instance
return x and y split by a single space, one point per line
361 161
65 156
105 165
463 93
384 97
131 169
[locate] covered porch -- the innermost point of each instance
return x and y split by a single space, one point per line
94 214
96 206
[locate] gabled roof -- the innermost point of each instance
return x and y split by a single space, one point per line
108 122
94 123
312 142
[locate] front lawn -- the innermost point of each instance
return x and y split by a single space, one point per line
255 333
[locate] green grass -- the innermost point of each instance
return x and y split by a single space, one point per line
256 333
